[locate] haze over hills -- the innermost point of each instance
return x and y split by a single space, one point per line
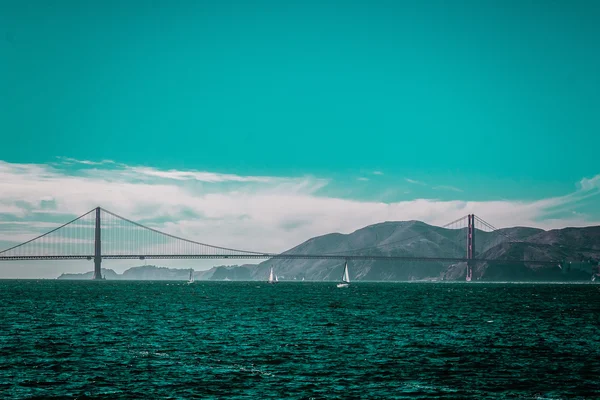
413 239
156 273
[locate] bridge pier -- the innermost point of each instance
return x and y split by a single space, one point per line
97 248
470 246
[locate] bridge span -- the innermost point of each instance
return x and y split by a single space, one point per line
102 235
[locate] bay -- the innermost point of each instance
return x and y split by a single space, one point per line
298 340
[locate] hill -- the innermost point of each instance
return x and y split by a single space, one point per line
505 248
417 239
155 273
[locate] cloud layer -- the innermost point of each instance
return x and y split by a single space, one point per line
262 213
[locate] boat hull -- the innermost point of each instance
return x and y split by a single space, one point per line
341 285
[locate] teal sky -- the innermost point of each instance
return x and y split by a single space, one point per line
259 125
500 99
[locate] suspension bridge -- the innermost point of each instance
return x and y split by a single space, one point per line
102 235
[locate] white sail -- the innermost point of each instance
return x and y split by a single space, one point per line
191 280
271 276
276 278
346 277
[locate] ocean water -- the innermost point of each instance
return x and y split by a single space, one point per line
299 340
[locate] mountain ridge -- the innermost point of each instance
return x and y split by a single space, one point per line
506 248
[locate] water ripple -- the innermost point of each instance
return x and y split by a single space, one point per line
298 340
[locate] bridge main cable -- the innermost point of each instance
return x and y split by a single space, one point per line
48 233
237 251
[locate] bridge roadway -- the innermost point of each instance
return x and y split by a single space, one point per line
267 256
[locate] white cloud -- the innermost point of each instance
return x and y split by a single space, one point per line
438 187
362 179
414 182
12 209
447 187
199 176
269 214
70 161
590 184
377 173
31 224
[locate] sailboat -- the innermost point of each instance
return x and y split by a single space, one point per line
191 280
276 279
271 277
345 278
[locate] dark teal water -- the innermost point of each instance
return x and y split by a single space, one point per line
298 340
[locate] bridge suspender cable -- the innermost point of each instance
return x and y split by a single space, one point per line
49 232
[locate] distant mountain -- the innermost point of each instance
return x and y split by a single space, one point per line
417 239
505 247
154 273
586 240
143 273
108 273
580 247
227 272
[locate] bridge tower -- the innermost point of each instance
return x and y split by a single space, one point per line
97 247
470 245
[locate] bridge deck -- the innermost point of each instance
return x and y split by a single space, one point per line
273 256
